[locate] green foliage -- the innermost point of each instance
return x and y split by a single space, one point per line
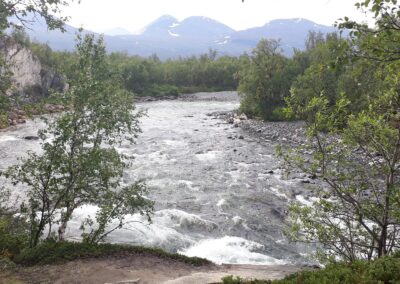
48 9
385 269
265 79
238 280
80 164
152 77
56 252
163 90
262 81
13 229
354 133
19 36
357 212
381 271
322 77
13 235
6 263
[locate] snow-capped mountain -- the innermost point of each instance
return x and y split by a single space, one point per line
170 38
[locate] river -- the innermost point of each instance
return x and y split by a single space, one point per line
215 194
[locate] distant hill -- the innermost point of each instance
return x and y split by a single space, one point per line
169 38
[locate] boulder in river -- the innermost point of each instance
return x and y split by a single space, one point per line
31 137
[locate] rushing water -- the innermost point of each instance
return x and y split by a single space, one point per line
215 197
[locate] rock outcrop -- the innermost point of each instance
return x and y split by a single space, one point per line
31 81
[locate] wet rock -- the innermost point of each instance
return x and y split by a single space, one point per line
278 212
242 117
135 281
313 176
31 137
312 266
236 121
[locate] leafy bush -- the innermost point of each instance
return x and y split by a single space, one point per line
384 270
163 90
13 237
3 119
279 114
6 263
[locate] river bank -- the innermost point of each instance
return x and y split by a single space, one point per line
139 269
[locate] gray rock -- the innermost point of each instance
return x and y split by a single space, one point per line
31 137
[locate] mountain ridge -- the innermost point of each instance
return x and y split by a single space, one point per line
168 37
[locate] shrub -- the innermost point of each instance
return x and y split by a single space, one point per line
13 237
385 270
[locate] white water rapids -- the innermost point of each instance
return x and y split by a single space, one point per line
214 195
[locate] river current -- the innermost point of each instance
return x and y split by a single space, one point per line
215 194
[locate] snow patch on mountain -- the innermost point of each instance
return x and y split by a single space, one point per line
173 34
174 25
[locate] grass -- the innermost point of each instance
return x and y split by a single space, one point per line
53 252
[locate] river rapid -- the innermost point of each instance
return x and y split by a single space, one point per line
218 190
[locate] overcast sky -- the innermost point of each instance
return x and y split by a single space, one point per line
101 15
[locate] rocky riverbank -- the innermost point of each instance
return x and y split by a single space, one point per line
291 133
18 116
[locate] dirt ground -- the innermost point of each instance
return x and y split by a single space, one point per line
138 269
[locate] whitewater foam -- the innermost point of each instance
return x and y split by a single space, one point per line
211 155
6 138
230 250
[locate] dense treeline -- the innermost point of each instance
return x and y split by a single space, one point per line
151 76
268 79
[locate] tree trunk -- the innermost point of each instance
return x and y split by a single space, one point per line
64 222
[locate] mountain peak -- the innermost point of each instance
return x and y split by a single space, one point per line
163 19
160 26
292 21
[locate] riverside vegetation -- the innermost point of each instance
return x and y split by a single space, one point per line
346 89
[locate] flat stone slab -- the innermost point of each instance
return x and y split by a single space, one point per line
261 272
